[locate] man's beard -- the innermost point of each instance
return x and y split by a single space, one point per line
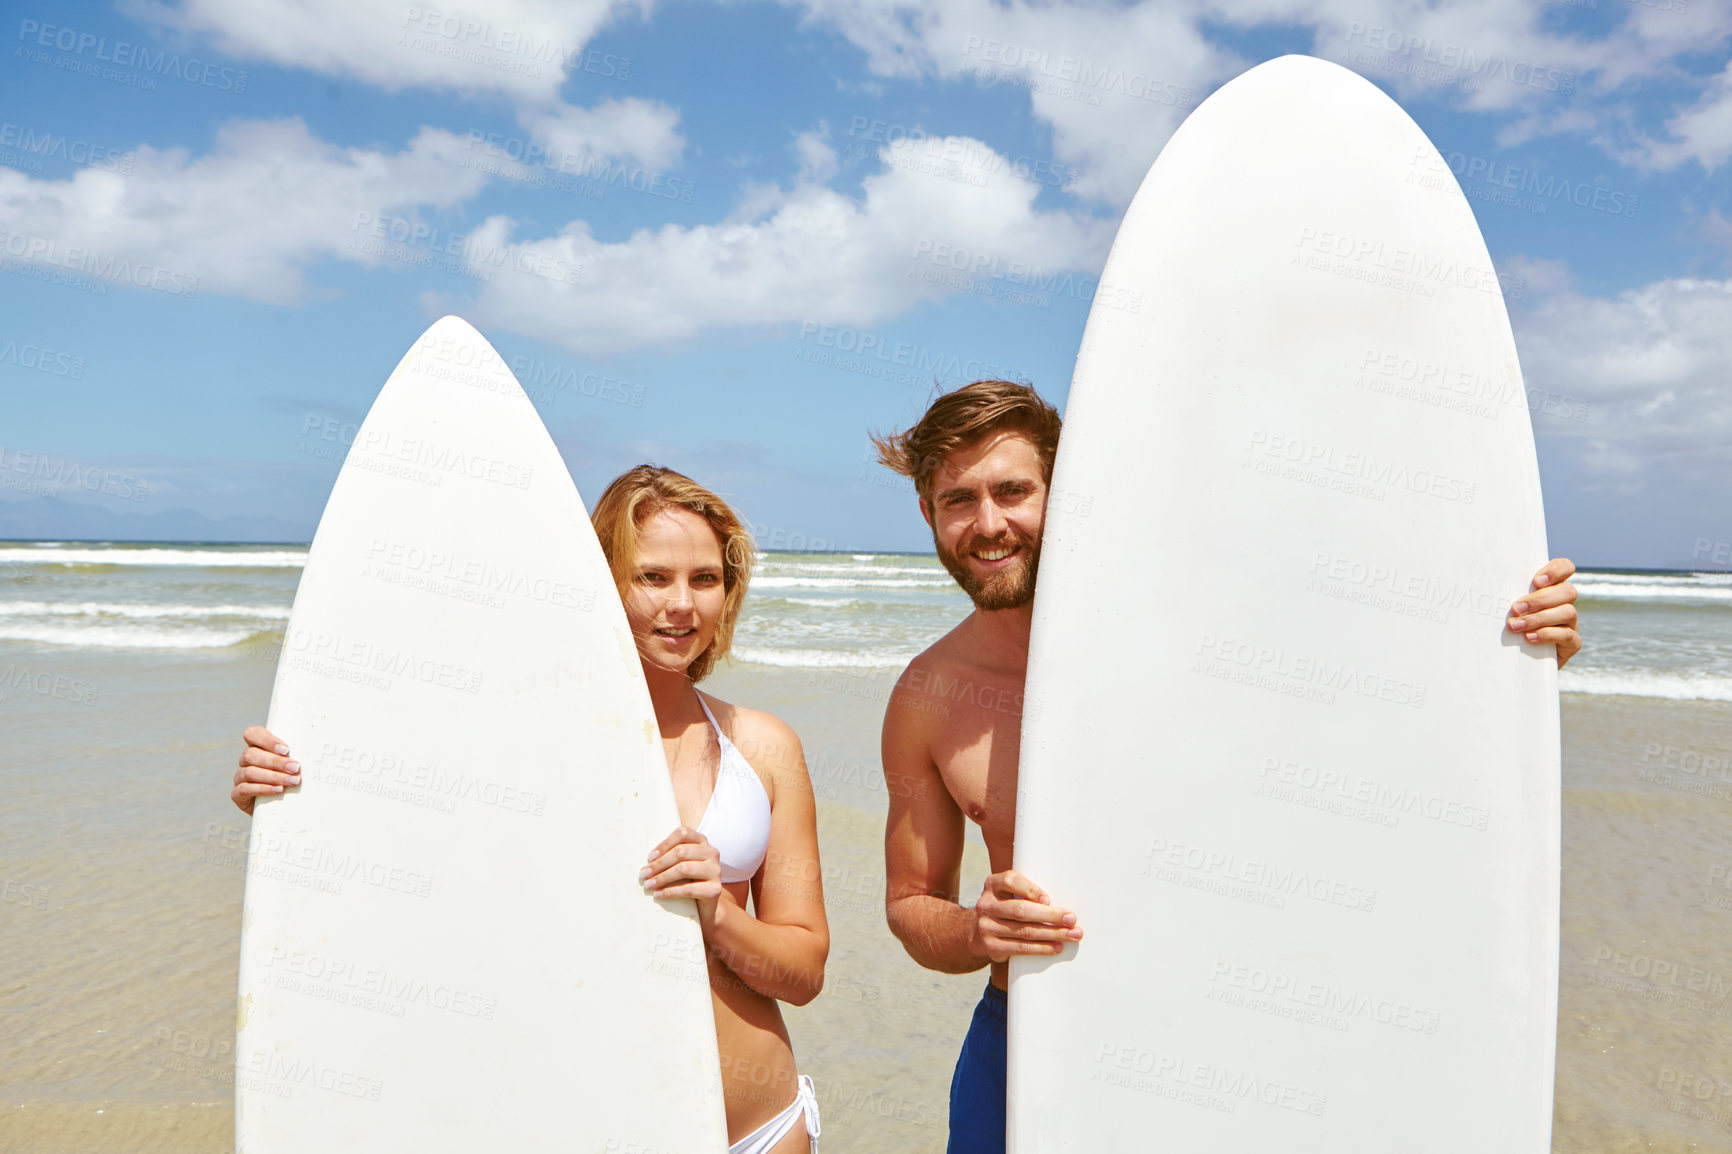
1009 588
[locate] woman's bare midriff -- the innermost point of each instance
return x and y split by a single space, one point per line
759 1078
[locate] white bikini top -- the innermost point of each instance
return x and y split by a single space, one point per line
737 820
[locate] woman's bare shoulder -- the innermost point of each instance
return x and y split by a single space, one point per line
767 742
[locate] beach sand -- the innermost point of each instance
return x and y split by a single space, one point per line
119 927
1645 1005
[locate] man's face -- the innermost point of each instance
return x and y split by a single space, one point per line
988 507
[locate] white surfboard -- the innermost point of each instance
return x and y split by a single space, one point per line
1281 755
445 947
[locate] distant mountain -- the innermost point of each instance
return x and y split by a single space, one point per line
51 519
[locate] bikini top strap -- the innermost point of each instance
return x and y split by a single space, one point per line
721 737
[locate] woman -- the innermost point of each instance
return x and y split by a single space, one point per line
681 560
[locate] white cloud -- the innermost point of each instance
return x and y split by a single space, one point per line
1702 132
644 131
1655 32
1102 76
805 254
1716 228
520 47
817 159
1654 365
1494 56
1610 465
1112 82
247 218
1488 55
1540 277
270 200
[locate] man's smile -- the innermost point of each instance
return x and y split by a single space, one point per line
996 553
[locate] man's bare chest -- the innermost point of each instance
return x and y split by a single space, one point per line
976 751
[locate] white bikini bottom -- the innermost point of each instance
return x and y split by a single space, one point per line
765 1137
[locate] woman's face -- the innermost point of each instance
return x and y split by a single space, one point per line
674 598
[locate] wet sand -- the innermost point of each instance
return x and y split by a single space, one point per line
120 914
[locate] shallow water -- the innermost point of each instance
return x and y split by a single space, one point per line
120 904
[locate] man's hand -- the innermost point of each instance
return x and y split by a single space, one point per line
1015 916
1548 613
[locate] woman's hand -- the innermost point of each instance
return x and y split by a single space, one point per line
264 770
685 865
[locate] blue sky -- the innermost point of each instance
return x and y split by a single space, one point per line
223 224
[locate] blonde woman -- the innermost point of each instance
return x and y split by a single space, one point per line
748 826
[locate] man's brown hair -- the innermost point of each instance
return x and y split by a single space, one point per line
964 416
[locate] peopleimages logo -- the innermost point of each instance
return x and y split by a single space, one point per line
464 38
858 348
42 359
1441 171
97 49
498 153
477 256
969 264
1463 60
1079 79
46 145
103 266
51 474
957 158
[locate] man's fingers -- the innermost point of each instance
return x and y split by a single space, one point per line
1029 912
1547 615
1024 932
1564 616
1011 884
1559 636
999 950
1556 570
1550 597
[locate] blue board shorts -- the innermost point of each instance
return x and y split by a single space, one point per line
977 1089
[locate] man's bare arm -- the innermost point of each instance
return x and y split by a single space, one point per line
923 848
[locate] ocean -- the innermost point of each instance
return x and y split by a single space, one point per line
128 670
1662 635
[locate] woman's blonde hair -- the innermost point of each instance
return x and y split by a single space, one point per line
635 496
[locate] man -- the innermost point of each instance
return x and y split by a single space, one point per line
981 460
